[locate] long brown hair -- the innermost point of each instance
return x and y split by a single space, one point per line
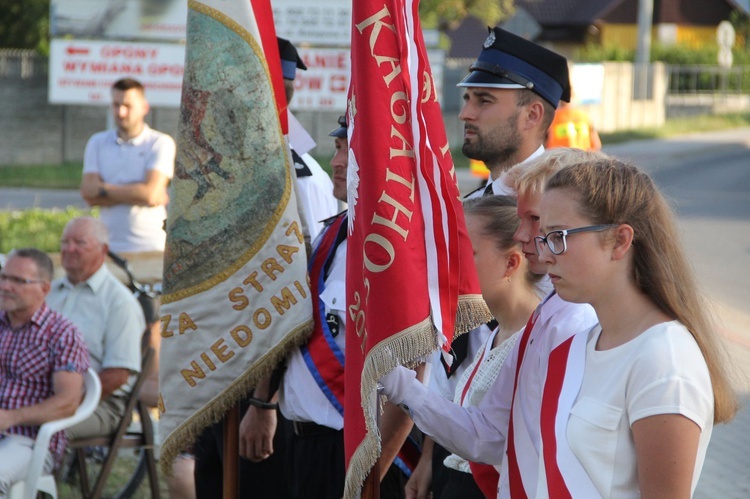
499 222
612 192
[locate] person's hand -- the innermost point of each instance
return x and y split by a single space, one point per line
161 198
396 382
257 428
90 189
420 481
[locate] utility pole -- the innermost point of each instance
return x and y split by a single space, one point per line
643 51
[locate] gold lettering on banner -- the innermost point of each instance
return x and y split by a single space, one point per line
263 314
186 323
190 375
220 350
237 296
376 22
406 149
357 315
269 266
240 298
399 118
252 279
204 356
285 302
301 289
286 252
391 222
390 176
245 340
294 228
378 263
165 331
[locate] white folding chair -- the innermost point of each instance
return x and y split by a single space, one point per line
35 480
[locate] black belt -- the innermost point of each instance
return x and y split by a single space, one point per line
309 429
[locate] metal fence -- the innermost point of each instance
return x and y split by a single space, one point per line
702 79
18 63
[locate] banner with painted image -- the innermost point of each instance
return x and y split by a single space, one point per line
236 297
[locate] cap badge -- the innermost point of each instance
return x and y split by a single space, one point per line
490 40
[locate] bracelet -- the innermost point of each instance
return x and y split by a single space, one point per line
262 405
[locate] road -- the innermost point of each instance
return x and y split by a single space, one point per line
707 179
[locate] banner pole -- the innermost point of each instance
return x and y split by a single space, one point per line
231 453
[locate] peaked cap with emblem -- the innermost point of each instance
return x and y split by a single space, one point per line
290 59
340 131
509 61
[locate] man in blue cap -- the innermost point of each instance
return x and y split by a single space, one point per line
512 91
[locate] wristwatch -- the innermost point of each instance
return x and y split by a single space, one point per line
102 191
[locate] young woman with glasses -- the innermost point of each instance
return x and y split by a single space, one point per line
510 412
653 382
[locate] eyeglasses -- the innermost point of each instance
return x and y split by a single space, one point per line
18 280
556 240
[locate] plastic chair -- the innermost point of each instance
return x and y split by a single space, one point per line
122 438
35 480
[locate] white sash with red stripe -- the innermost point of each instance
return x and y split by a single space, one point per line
562 474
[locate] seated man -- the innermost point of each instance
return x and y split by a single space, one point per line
108 316
42 356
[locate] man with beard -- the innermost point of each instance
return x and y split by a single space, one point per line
512 92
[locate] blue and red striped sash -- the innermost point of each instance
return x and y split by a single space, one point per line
322 355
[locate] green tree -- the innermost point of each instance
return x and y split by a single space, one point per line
24 24
446 14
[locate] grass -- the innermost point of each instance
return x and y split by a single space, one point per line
36 228
121 472
65 176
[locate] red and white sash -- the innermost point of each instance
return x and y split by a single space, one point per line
563 474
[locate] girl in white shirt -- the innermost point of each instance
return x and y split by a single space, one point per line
510 289
653 383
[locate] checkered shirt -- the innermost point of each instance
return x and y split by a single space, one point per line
29 356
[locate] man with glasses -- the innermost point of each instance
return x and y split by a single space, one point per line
43 358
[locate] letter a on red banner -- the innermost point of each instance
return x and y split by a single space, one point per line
411 282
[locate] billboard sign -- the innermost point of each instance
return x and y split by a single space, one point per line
82 72
323 87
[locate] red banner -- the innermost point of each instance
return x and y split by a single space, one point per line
410 270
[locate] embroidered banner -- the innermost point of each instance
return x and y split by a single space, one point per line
236 296
411 281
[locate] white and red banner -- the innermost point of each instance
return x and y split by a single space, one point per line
411 281
83 71
236 297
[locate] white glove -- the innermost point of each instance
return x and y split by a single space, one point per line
397 383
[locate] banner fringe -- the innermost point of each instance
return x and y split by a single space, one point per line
186 434
408 347
472 312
